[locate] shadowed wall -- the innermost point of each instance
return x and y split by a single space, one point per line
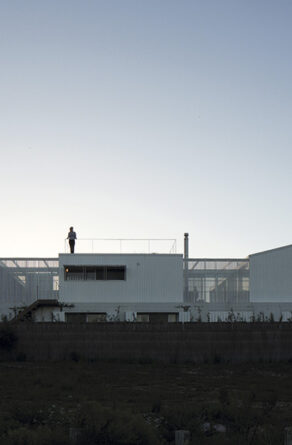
175 343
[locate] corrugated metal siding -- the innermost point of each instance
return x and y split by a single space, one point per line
270 276
149 278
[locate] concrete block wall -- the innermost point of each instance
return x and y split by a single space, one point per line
170 343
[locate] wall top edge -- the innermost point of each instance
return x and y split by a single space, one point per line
29 258
179 255
217 259
289 246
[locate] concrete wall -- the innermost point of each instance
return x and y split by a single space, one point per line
149 278
196 342
270 275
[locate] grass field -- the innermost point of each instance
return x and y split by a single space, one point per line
143 403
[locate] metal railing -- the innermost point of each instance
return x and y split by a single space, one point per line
123 245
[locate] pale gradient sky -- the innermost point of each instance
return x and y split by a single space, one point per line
146 119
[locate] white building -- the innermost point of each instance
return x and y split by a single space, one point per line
120 286
148 287
99 287
121 278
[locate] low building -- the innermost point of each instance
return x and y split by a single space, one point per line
147 287
120 286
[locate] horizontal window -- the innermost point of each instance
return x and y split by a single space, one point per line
172 318
74 317
96 318
93 273
143 318
157 317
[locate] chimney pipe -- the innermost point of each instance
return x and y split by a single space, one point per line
186 246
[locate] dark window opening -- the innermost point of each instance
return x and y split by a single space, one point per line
157 317
74 317
93 273
98 317
100 273
90 273
73 273
115 273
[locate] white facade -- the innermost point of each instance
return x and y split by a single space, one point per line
270 276
139 287
149 278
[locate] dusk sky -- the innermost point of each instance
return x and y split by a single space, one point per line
146 119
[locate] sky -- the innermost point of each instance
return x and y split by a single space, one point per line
146 119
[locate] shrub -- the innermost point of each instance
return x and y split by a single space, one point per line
108 426
8 338
42 435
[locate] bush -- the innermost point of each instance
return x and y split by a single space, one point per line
36 436
108 426
8 338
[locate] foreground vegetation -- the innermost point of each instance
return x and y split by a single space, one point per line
143 403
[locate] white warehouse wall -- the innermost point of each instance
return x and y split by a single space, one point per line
271 275
150 278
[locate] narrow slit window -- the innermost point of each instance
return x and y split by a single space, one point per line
94 273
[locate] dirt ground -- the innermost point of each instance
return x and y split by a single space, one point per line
218 402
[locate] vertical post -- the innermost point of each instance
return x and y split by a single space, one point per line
74 435
37 287
288 436
186 246
182 437
186 266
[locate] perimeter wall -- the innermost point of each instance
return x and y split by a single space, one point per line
170 343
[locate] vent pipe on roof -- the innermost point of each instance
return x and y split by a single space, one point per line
186 266
186 246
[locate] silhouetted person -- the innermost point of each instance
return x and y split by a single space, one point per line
72 237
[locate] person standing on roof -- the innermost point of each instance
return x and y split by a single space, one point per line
72 237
